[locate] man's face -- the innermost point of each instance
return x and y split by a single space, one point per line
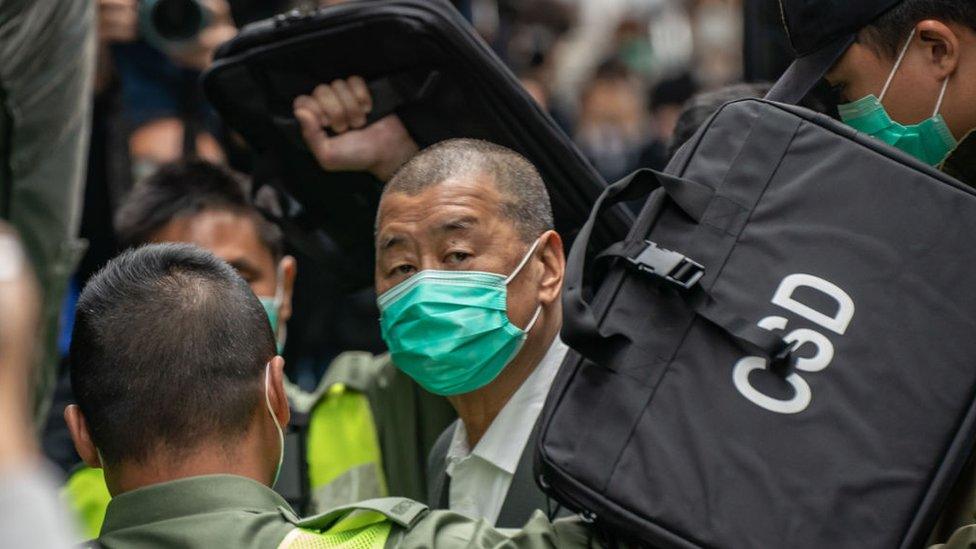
455 225
234 238
938 53
862 71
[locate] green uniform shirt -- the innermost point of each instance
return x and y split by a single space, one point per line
231 511
206 511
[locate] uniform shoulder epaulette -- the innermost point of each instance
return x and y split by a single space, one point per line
403 512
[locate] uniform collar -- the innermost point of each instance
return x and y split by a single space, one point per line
504 441
187 497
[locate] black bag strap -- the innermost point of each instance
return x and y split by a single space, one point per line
580 327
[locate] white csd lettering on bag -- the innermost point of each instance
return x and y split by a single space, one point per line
838 323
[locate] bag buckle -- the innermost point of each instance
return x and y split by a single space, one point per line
671 266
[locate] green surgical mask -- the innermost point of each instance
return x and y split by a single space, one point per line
272 306
449 330
930 140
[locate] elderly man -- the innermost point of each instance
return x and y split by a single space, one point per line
468 273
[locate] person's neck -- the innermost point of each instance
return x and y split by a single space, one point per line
209 459
478 409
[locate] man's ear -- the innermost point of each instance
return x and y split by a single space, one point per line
553 260
940 47
276 391
78 428
288 268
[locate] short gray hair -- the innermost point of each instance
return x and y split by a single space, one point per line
524 195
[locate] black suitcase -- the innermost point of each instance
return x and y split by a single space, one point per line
422 60
682 419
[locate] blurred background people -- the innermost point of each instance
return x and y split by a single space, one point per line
614 126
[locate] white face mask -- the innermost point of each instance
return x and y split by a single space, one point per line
281 433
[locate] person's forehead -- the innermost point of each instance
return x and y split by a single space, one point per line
231 236
471 199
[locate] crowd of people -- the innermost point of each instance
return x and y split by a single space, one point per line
190 381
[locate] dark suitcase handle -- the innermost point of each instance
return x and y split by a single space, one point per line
580 326
389 95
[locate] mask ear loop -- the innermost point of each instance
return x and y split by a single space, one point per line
538 311
274 418
525 259
521 265
938 104
901 57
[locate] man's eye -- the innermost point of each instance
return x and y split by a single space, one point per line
404 269
457 257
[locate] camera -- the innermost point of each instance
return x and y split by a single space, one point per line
169 24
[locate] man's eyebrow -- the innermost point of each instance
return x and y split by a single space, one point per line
385 242
389 241
244 266
458 224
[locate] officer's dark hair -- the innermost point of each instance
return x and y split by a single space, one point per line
674 91
168 350
186 188
525 198
888 33
702 106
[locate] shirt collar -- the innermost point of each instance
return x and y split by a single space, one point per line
186 497
504 441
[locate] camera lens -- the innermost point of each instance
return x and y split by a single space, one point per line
177 20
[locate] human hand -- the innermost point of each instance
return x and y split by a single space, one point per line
18 334
379 148
118 20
